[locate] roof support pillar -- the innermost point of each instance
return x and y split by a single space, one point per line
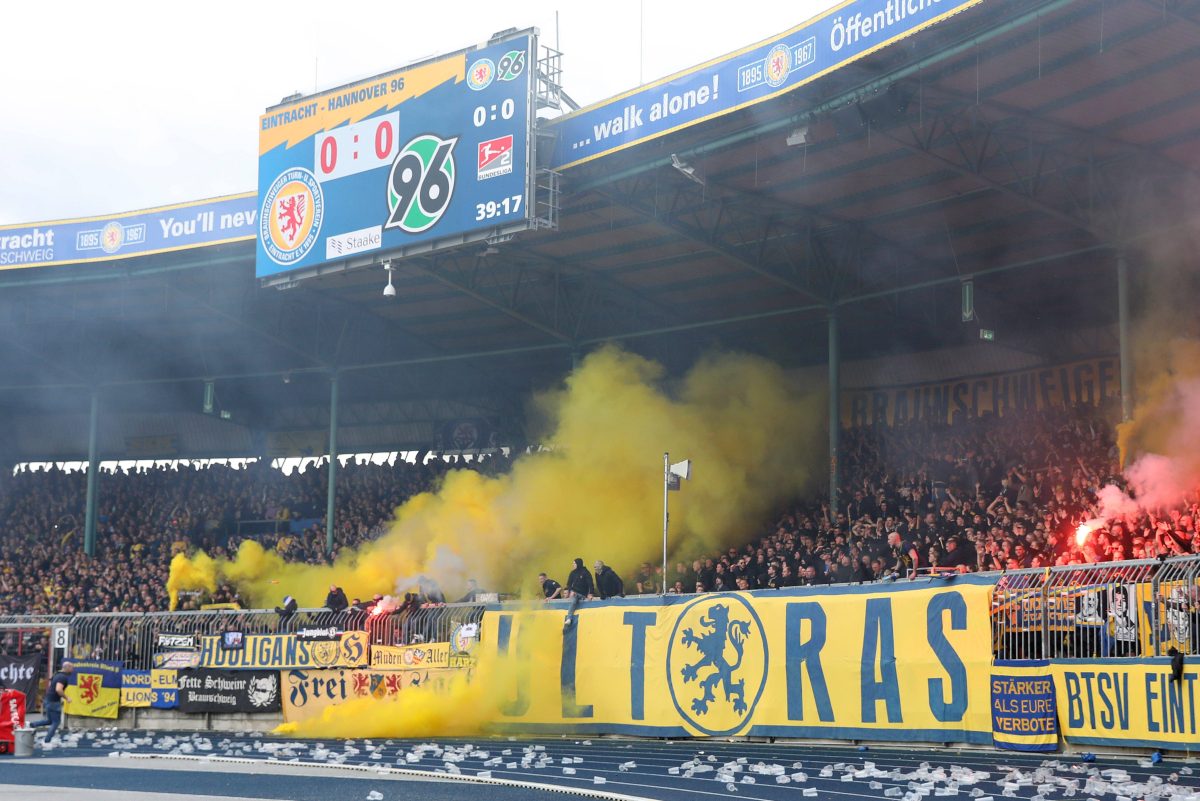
331 493
89 524
835 405
1123 332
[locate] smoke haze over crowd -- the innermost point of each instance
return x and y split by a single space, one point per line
595 491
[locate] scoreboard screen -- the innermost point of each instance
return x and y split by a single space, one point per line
423 158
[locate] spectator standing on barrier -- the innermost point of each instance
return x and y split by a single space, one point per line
336 601
56 691
608 583
287 611
551 589
579 581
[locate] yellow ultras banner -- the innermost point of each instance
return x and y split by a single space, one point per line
1127 702
910 663
308 693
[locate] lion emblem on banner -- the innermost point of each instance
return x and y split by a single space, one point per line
717 663
89 687
722 632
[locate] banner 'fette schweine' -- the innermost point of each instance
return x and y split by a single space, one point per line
251 691
911 663
284 652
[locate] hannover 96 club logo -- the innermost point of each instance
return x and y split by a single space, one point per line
421 183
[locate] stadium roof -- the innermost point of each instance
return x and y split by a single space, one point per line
1018 143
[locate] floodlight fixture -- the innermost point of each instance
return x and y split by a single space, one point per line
389 291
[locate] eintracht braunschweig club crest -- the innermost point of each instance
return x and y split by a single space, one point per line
291 216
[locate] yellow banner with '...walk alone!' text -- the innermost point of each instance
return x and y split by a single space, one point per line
910 663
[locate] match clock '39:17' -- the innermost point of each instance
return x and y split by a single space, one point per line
435 154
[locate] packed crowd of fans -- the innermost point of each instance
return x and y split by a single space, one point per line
145 516
980 494
983 494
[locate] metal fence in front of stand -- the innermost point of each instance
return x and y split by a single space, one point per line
133 639
1141 608
422 624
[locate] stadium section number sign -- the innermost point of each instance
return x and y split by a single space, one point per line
431 155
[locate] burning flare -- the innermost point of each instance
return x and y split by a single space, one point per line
1084 530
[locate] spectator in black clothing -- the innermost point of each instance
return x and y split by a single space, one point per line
579 581
608 583
56 691
958 555
843 572
286 611
336 601
551 589
432 592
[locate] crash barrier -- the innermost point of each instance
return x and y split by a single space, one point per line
1028 660
1085 653
146 641
1141 608
27 644
259 664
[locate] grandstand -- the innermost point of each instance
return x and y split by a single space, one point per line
955 235
978 152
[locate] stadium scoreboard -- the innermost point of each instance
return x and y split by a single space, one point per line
433 155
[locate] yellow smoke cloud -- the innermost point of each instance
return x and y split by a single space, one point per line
1166 366
596 493
467 705
197 573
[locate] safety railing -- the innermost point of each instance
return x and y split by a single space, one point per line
1141 608
422 624
133 639
23 634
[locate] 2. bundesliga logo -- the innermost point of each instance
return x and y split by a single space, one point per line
729 654
291 215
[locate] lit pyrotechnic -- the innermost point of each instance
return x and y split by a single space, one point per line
1084 530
